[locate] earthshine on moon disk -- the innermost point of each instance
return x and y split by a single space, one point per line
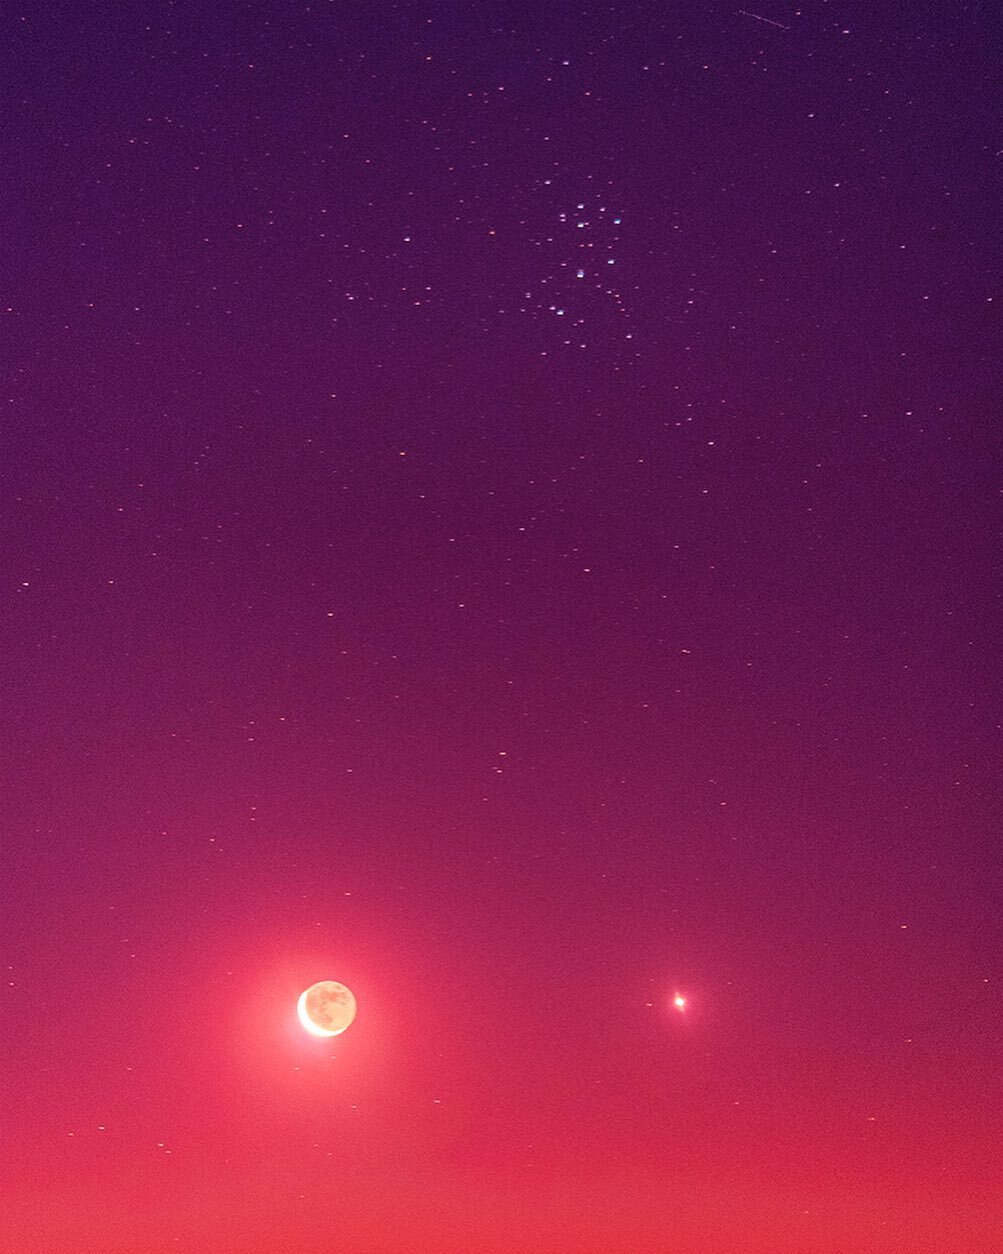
326 1008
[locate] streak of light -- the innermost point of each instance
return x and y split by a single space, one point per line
759 18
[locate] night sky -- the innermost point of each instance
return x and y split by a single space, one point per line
499 509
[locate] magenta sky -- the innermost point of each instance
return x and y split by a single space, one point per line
499 508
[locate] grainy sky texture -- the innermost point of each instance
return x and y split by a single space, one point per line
499 510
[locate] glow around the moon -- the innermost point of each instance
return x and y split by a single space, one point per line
326 1008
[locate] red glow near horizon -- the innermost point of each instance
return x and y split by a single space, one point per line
498 506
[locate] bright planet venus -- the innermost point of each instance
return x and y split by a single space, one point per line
326 1008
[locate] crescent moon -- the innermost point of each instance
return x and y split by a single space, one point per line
326 1008
305 1019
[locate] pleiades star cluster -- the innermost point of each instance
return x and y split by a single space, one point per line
500 510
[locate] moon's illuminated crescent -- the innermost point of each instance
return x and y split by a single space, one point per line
326 1008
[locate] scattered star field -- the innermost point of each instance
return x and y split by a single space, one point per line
501 510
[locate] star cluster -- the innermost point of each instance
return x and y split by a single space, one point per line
499 510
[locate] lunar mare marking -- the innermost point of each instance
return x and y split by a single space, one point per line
326 1008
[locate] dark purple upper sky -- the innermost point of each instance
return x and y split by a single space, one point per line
500 509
